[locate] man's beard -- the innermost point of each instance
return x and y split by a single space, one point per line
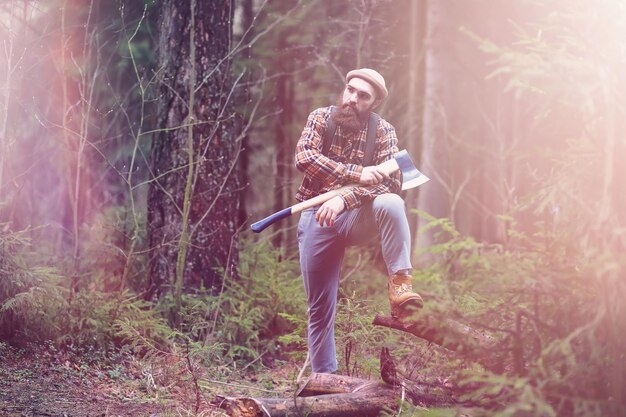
348 118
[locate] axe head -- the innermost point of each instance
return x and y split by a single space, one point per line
411 177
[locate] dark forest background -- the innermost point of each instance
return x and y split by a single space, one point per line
139 139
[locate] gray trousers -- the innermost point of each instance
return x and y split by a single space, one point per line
321 253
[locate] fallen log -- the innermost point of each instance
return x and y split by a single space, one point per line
326 395
449 334
330 405
324 384
330 395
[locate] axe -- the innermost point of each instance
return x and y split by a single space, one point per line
401 161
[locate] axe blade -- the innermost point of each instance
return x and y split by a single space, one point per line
411 177
414 182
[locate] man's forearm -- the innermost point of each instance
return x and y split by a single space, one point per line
356 196
321 168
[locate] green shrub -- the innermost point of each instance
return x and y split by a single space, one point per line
556 318
264 303
33 300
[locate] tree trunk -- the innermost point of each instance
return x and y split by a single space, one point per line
247 29
192 200
283 154
433 196
415 98
467 144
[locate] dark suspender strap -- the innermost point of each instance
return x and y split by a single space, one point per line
370 144
329 135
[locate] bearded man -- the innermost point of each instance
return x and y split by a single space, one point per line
370 209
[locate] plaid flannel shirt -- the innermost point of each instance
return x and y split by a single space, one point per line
343 165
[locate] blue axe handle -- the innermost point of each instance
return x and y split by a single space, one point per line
262 224
297 208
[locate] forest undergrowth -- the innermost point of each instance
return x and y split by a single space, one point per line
555 314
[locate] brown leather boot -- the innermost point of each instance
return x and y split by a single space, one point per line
401 296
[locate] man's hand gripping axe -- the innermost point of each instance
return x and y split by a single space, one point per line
401 161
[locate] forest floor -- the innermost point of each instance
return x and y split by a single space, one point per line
42 382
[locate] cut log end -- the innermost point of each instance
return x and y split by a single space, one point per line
239 406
